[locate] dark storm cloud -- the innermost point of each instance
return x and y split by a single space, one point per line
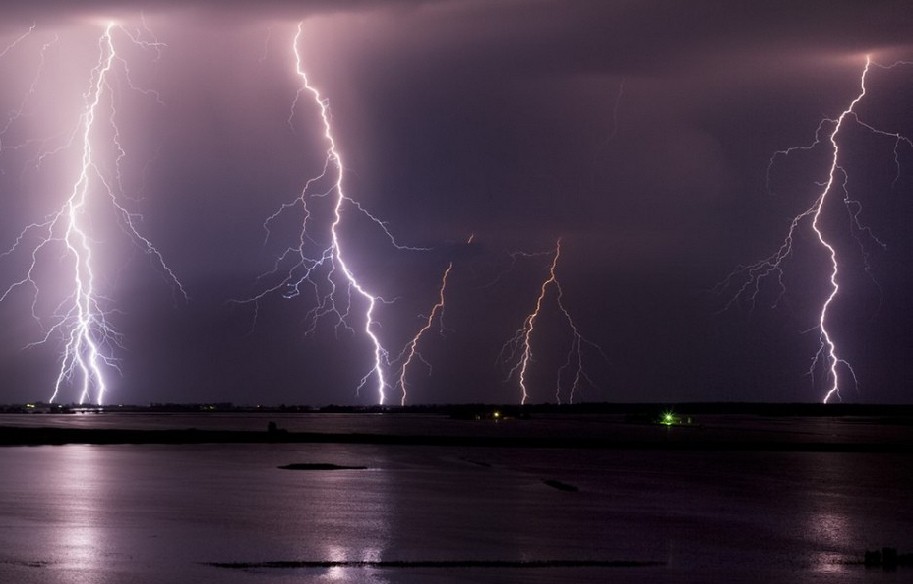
599 25
640 131
238 11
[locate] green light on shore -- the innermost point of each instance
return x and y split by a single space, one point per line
668 418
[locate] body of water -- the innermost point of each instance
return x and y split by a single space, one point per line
159 514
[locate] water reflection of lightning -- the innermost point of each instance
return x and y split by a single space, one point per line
82 319
518 350
296 266
747 280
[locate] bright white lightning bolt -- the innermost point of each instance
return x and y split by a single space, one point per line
411 351
81 319
519 348
828 356
304 269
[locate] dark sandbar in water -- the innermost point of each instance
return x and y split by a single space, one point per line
561 486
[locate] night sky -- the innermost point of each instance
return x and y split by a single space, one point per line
640 133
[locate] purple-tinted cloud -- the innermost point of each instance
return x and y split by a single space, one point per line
640 132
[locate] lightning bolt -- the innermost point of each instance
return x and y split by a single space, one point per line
828 357
518 348
19 112
437 311
297 267
82 319
411 352
17 40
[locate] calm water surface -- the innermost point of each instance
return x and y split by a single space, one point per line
159 514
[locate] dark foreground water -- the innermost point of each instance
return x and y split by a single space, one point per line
159 514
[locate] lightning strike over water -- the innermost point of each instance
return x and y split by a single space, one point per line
411 352
518 350
330 263
83 319
747 280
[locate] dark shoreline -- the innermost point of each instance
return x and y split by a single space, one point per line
779 410
663 440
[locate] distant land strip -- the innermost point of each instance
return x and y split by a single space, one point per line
440 564
900 412
687 441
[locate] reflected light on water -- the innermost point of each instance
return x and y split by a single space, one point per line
80 480
833 531
336 573
831 528
353 574
338 495
828 523
829 563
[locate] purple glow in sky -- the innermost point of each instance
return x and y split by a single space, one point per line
637 133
